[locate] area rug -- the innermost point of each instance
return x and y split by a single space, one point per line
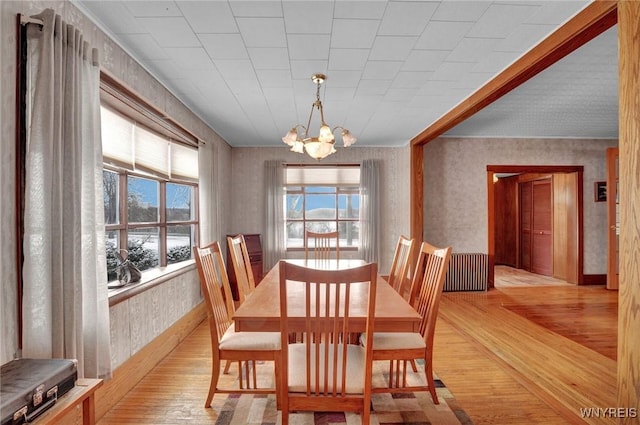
386 409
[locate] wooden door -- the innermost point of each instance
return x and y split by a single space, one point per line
541 228
613 218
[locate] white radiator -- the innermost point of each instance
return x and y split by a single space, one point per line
467 272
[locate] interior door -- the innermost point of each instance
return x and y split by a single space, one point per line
542 228
526 208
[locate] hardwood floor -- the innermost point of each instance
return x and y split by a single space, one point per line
501 353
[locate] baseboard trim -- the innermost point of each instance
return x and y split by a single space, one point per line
594 279
127 375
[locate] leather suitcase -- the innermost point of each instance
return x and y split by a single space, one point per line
29 387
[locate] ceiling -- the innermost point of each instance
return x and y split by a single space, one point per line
393 67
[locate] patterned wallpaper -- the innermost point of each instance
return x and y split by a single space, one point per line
455 172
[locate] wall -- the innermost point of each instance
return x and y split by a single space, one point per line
140 319
247 200
455 192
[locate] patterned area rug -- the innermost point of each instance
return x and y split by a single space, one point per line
410 408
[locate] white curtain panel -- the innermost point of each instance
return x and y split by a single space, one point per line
65 303
208 192
274 181
370 210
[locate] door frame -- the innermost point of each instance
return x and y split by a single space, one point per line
499 169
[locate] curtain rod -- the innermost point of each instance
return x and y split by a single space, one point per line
24 20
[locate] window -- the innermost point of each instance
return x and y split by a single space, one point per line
322 199
150 184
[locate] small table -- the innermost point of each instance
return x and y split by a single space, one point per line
83 392
261 310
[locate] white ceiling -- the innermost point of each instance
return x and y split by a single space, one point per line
393 67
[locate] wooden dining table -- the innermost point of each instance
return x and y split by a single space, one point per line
260 312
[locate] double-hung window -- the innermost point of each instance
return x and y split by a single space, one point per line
150 191
322 199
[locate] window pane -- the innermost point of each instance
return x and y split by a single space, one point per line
349 232
113 246
142 247
179 241
142 200
294 206
179 205
320 207
321 226
320 189
110 191
295 234
348 206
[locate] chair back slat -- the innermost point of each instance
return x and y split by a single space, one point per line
241 266
319 246
399 273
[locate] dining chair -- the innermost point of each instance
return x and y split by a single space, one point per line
246 348
241 266
400 348
323 372
399 272
318 245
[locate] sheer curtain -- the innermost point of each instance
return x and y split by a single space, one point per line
65 302
273 213
370 210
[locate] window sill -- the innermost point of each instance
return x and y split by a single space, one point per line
150 279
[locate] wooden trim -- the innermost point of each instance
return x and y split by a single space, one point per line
416 196
594 279
140 364
629 197
544 170
592 21
491 225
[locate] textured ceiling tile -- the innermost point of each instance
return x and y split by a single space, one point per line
265 32
342 79
443 35
425 60
269 57
392 48
191 57
256 8
153 8
171 32
144 46
115 16
353 33
412 80
381 70
359 9
209 17
348 59
308 46
236 69
224 46
555 12
524 37
308 17
406 18
451 71
274 78
303 69
460 11
472 49
493 24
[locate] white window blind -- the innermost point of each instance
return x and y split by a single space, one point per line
117 133
323 175
128 145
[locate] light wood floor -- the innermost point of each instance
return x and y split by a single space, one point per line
503 368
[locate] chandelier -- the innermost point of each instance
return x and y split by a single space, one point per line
322 146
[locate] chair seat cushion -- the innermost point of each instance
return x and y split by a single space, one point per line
355 368
259 341
395 340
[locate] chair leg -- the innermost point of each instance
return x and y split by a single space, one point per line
428 370
413 365
215 374
226 367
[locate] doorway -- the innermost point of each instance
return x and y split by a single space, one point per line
535 220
